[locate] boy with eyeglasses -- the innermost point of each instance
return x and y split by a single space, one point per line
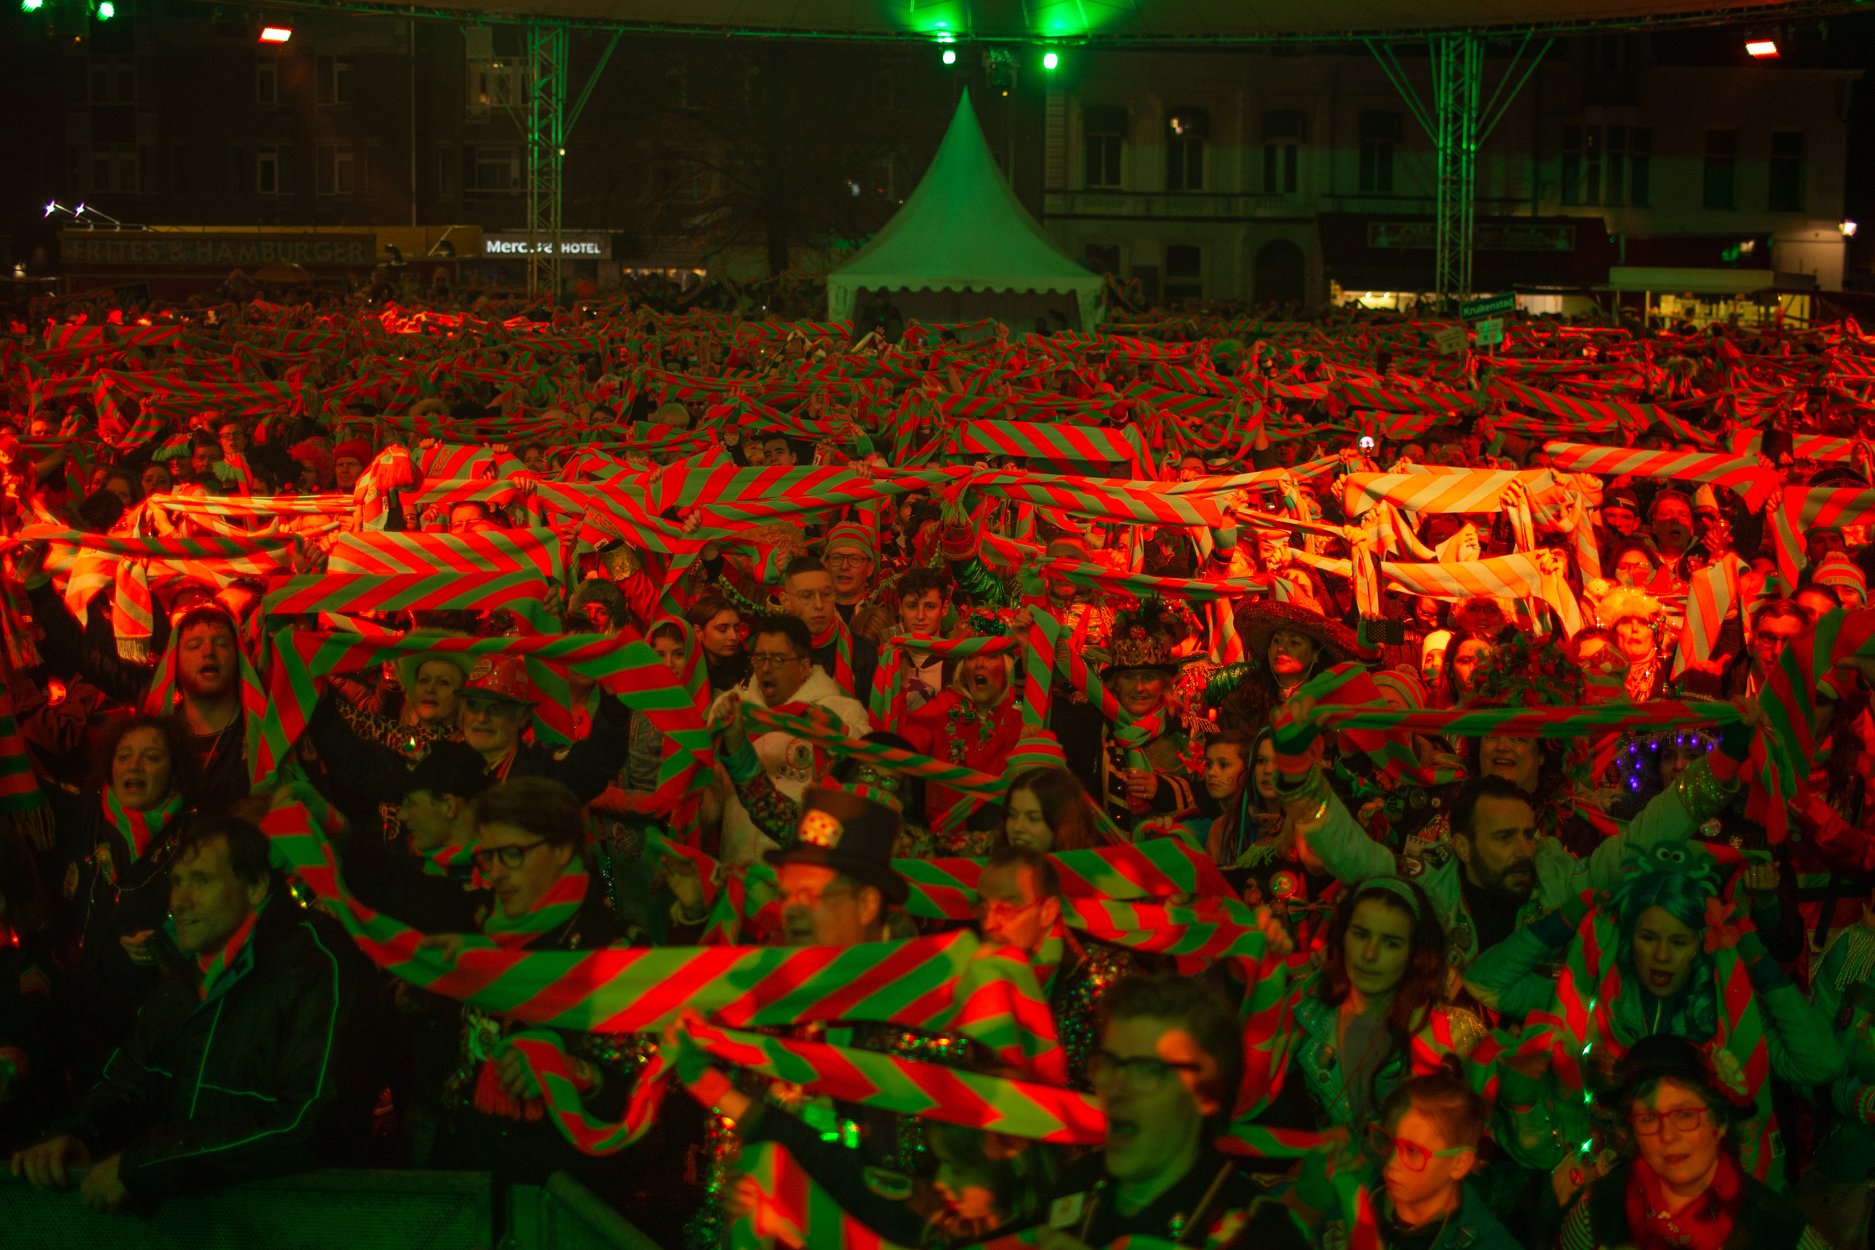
1166 1074
1425 1147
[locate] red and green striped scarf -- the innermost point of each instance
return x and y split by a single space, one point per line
553 909
139 829
842 640
214 966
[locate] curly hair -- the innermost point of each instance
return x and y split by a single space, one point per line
1683 896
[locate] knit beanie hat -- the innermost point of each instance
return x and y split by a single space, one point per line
1837 569
852 536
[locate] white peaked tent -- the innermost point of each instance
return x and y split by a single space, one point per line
963 247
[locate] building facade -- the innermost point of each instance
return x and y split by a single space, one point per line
1277 178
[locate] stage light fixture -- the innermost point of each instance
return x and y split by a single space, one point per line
106 10
1761 49
1051 61
275 34
1847 227
31 6
950 56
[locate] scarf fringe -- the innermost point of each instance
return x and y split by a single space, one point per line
491 1099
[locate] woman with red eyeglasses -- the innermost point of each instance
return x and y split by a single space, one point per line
1681 1184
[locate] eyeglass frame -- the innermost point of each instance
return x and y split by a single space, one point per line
1133 1070
987 907
510 857
1385 1145
768 659
1660 1119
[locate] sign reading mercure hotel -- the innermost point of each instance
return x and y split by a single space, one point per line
572 246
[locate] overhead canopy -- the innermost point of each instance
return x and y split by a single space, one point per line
1115 21
962 230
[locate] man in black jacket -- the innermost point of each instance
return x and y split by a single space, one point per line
247 1062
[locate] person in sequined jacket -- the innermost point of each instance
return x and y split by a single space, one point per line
1019 904
531 849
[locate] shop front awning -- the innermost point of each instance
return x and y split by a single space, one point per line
1387 252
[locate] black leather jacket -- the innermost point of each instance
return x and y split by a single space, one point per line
269 1074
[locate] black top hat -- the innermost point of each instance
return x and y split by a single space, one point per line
849 834
450 768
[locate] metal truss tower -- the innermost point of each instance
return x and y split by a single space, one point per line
1458 120
545 125
548 54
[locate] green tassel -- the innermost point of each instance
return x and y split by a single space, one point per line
1224 681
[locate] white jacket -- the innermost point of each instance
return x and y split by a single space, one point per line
788 760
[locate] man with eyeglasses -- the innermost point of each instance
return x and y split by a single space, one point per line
497 703
784 678
1167 1074
809 594
851 555
531 848
1019 904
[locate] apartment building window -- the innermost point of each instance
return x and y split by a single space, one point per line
266 81
340 170
493 84
113 84
1720 181
1104 126
1186 130
1184 272
1640 165
335 80
269 172
885 177
1786 171
1380 135
1284 131
491 169
1582 165
114 168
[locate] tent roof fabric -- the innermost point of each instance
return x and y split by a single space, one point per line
1160 22
963 229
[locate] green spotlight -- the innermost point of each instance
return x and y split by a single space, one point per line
1050 61
950 56
106 10
31 6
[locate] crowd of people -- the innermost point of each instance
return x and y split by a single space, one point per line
1234 783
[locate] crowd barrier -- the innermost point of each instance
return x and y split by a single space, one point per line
335 1209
